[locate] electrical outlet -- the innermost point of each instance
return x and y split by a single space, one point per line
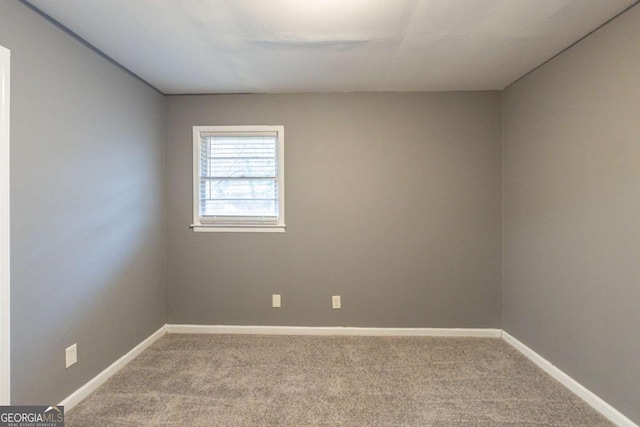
71 355
335 300
276 301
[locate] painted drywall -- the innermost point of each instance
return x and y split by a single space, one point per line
87 239
571 212
393 201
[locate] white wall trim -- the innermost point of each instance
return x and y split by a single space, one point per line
77 396
333 330
5 246
594 401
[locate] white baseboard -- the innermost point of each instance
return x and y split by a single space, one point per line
594 401
333 330
77 396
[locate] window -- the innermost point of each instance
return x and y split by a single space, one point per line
238 182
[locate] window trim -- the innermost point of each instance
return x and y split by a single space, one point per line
200 226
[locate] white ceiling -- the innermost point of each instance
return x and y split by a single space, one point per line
232 46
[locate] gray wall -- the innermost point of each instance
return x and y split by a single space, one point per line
393 201
572 212
87 243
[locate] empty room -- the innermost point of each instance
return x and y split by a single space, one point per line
319 213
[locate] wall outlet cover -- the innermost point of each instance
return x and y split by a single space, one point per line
335 300
71 355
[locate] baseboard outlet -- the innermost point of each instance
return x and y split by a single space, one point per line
76 397
334 330
585 394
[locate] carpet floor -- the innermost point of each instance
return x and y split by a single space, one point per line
252 380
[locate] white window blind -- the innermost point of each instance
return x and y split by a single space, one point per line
239 176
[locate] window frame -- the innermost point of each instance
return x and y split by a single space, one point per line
237 226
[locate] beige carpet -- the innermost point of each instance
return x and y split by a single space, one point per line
249 380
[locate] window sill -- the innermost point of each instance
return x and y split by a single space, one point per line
199 228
